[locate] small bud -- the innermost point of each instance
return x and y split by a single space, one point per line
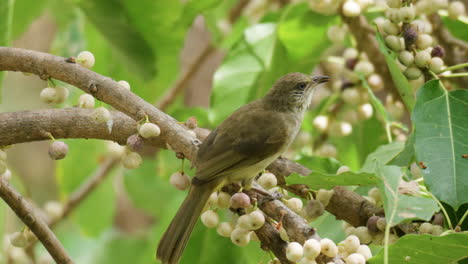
410 35
375 194
324 196
294 252
267 180
381 224
240 237
257 219
115 150
135 143
224 229
124 84
424 41
407 14
351 244
390 28
58 150
406 58
342 169
85 59
131 160
148 130
350 53
351 9
422 58
372 224
351 96
438 51
54 209
213 199
48 95
223 200
321 123
313 209
210 218
393 42
426 228
240 200
307 261
294 204
365 251
18 239
328 247
62 94
327 150
364 67
101 115
393 3
393 15
412 73
375 82
245 222
363 234
180 180
86 101
456 9
355 258
365 111
312 249
436 64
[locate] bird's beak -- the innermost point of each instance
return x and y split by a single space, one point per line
320 79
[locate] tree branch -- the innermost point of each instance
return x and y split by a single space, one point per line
103 88
181 83
35 222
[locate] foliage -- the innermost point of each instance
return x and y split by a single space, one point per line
420 141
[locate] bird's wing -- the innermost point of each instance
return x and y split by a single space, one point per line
243 139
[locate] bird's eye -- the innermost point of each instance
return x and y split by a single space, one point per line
301 86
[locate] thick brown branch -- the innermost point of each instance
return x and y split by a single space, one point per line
103 88
35 223
351 207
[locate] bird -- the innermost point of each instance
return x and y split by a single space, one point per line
241 147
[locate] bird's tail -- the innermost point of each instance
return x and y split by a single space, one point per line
174 240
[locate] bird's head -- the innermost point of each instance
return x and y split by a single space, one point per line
293 92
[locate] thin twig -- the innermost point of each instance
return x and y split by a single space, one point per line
36 224
86 188
187 75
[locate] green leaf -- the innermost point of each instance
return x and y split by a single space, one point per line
328 226
76 169
319 164
115 24
406 156
300 23
319 180
382 155
426 249
6 21
457 27
261 56
122 249
401 83
240 69
25 12
441 127
400 207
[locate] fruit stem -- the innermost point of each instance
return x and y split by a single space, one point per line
456 67
454 75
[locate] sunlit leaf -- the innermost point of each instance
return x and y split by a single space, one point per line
441 128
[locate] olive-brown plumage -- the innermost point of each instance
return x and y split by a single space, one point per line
238 149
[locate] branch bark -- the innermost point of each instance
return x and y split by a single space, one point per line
34 221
